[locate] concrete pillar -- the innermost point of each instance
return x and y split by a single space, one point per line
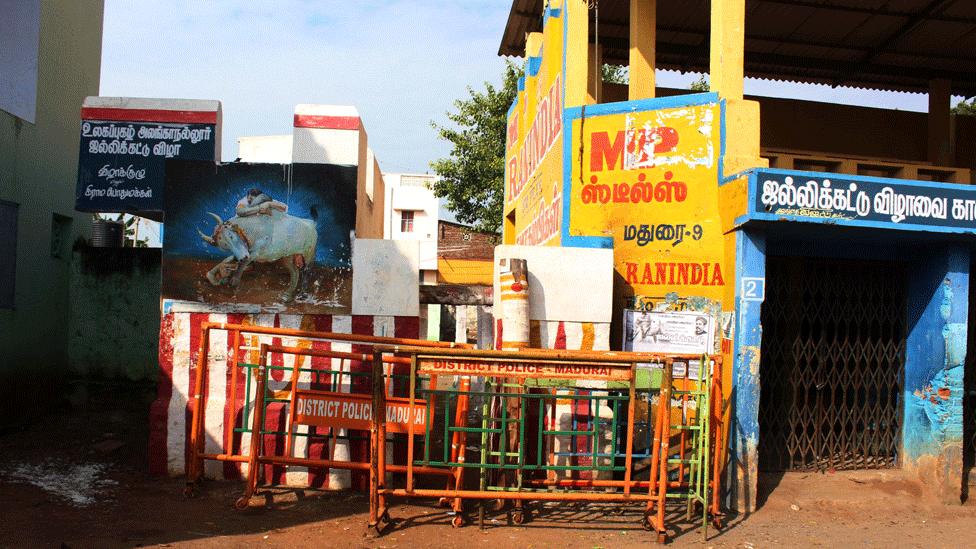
728 20
643 43
594 74
750 291
514 285
577 39
938 309
940 150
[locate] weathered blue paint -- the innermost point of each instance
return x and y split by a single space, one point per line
936 350
744 432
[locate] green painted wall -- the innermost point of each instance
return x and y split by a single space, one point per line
38 167
114 317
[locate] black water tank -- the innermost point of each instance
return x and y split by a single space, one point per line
107 234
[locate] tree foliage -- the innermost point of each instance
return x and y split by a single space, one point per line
472 177
615 74
700 85
966 107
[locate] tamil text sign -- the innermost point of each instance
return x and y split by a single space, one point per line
837 198
121 162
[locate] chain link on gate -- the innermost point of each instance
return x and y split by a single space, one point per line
833 356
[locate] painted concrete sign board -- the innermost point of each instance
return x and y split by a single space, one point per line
125 143
352 411
683 333
862 201
260 237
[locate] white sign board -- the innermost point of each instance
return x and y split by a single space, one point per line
685 333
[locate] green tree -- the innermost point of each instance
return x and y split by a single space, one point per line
966 107
700 85
615 74
472 177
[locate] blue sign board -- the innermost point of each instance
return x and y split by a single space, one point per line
121 165
816 197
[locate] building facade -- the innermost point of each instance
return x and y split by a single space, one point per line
829 245
412 213
38 166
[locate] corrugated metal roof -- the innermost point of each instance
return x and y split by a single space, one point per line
877 44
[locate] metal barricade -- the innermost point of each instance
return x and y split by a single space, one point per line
335 411
241 371
522 453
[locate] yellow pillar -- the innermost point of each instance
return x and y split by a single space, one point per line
577 38
533 44
727 46
940 132
643 42
594 74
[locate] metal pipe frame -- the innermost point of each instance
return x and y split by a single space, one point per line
199 393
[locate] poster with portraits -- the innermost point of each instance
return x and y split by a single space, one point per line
684 332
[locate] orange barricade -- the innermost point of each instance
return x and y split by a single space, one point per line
237 334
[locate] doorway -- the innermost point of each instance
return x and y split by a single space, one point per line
832 364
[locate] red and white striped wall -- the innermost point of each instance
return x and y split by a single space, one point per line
170 413
328 134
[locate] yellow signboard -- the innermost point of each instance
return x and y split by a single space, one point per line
534 149
638 176
649 180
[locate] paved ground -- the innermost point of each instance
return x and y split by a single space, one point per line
77 479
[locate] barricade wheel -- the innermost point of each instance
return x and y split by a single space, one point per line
242 503
518 517
189 492
444 502
457 521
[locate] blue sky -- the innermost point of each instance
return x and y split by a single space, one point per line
400 62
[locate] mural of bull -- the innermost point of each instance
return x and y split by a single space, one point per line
279 237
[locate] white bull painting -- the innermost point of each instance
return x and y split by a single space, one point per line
274 236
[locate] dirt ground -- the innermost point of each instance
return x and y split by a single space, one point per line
77 478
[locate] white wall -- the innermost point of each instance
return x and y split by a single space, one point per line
267 149
568 284
384 279
20 35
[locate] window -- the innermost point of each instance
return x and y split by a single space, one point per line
406 221
60 233
8 253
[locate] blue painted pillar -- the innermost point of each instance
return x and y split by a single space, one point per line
750 291
938 308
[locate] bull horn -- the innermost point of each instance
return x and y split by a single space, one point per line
215 216
206 238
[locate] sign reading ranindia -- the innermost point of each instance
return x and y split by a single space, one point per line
349 411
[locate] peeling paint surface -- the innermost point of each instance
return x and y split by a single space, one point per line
936 351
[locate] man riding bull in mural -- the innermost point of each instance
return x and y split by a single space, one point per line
262 232
257 202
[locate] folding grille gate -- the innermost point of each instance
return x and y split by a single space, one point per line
833 356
